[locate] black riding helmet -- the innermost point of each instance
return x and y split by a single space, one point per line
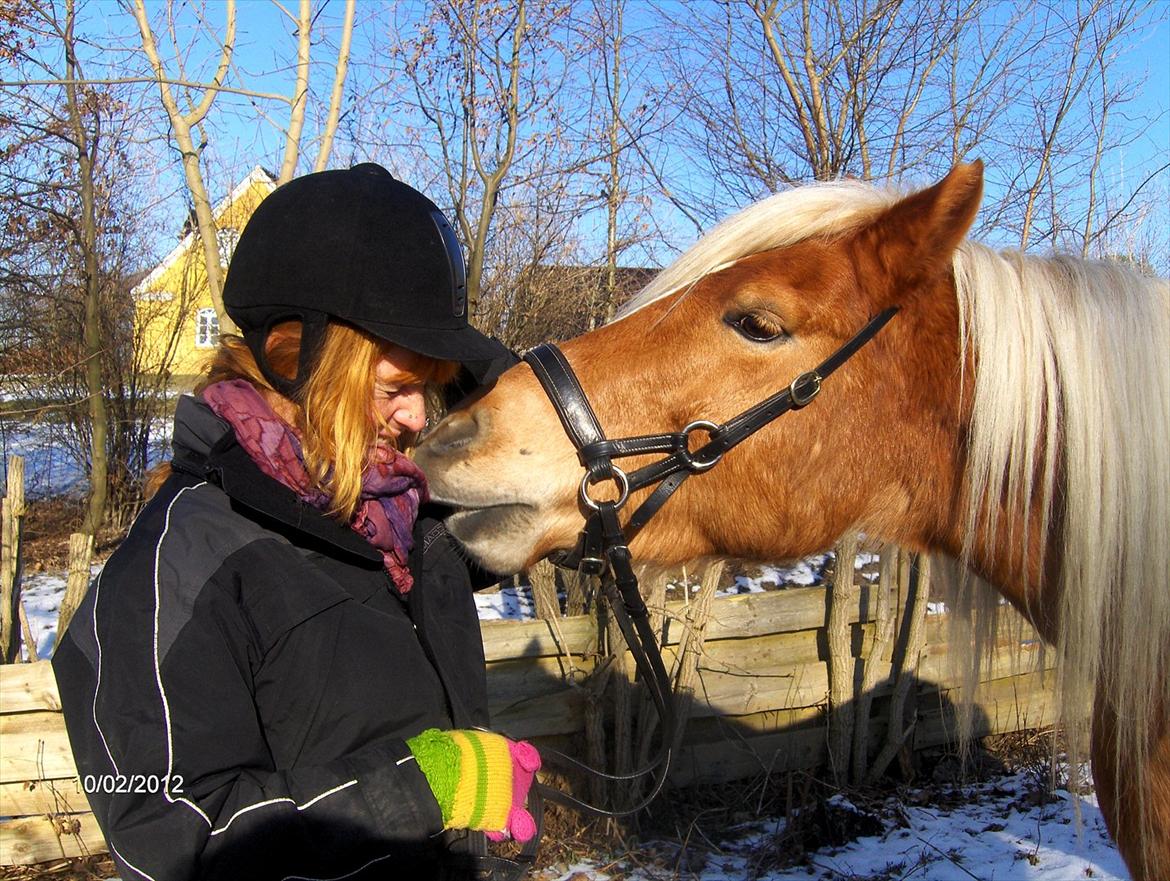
359 246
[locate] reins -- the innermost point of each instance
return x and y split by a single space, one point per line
603 545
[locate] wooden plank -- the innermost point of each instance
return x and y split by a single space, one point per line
733 760
36 755
734 617
34 798
1016 703
1006 661
560 713
713 729
775 688
531 697
533 677
25 687
532 639
773 611
37 839
769 651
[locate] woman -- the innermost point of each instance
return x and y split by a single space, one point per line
276 674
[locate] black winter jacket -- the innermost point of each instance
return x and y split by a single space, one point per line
242 674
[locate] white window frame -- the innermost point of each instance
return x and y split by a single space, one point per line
206 329
225 242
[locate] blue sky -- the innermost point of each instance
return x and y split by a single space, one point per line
239 138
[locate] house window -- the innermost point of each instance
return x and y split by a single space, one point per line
206 329
226 240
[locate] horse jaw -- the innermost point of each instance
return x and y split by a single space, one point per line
505 465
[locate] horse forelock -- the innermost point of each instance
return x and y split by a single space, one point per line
825 209
1070 415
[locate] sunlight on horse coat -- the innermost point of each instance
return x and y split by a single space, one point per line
1014 416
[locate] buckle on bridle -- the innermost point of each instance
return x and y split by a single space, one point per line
799 398
684 451
618 476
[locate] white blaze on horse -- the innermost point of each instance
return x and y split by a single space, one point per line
1014 415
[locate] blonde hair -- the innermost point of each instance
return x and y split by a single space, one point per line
333 415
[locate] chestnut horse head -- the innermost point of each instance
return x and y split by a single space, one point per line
1014 415
761 299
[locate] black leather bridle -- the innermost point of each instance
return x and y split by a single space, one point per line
602 547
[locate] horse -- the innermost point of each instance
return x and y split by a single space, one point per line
1013 416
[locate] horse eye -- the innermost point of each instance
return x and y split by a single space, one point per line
757 327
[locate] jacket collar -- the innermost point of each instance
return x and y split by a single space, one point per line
205 446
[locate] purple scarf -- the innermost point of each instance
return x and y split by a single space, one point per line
391 490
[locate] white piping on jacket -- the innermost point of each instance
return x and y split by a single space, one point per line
167 711
272 801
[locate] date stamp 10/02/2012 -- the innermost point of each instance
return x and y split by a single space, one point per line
149 784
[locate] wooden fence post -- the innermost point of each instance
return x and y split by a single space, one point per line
656 603
842 598
877 659
576 591
10 561
77 583
542 578
690 647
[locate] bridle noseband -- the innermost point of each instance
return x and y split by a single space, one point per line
602 547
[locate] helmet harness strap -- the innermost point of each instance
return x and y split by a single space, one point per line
313 326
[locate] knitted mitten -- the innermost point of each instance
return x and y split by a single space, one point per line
479 779
525 764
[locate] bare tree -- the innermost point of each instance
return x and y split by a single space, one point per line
482 81
883 89
623 124
69 244
1073 132
184 123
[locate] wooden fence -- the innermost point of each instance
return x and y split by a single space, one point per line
753 672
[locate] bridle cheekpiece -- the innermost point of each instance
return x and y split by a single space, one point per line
603 544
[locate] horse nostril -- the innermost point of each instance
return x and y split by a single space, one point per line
455 432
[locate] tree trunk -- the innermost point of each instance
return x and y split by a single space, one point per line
340 70
300 96
92 330
181 125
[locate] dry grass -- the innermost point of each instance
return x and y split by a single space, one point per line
44 545
85 869
686 828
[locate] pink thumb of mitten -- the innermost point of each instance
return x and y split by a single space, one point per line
525 763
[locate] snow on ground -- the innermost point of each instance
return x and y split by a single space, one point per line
992 831
507 603
41 594
53 464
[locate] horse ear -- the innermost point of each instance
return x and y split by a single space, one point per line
918 235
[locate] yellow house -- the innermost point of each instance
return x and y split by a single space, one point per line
176 325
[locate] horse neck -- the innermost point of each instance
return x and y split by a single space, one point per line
1017 558
1008 539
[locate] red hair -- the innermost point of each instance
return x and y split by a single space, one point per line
333 415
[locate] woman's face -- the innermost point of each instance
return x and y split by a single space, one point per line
398 396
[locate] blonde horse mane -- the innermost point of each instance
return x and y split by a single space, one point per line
785 218
1071 411
1071 407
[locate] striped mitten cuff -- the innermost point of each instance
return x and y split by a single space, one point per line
473 776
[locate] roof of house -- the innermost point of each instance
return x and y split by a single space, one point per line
257 175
